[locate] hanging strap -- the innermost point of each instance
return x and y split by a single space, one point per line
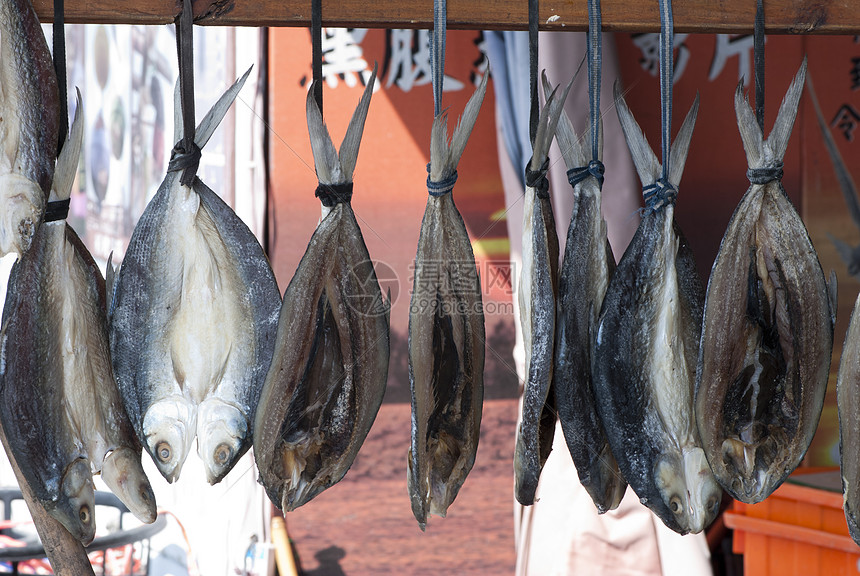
437 52
186 154
758 49
59 210
661 193
595 62
534 111
316 49
60 68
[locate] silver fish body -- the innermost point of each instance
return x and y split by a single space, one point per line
60 407
330 366
192 324
584 277
645 355
768 332
536 293
446 337
29 124
848 403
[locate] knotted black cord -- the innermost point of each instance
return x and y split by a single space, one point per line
765 174
537 179
316 50
661 193
332 194
186 154
758 50
58 210
60 68
443 187
595 168
534 112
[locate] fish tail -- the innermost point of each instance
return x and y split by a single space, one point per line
549 116
643 156
326 161
444 157
213 118
348 152
67 163
568 142
681 145
781 132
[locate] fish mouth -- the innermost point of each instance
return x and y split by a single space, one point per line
75 508
689 490
123 474
221 432
169 429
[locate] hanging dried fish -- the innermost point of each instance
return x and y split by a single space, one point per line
646 349
330 366
588 265
29 124
61 409
537 293
446 333
768 332
193 321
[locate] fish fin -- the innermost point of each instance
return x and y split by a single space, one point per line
543 140
644 159
326 161
67 163
681 145
845 250
467 122
832 293
210 122
843 176
568 142
348 153
779 135
178 128
110 284
751 135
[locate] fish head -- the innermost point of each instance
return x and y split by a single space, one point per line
23 201
75 508
745 460
221 433
689 490
124 475
169 428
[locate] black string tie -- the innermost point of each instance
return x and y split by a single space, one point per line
437 189
765 174
186 161
659 195
595 168
58 210
333 194
537 179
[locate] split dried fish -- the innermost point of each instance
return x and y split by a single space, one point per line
60 406
768 332
647 343
585 272
193 320
330 367
446 334
29 124
537 293
848 403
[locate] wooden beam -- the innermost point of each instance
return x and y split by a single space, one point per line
704 16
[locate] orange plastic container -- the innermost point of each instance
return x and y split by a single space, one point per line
800 529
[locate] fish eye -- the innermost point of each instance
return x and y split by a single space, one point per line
675 505
84 514
162 450
222 454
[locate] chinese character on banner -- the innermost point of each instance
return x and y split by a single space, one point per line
846 120
855 73
649 44
728 46
343 58
407 61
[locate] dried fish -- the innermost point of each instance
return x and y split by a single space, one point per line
330 367
588 265
60 406
647 344
446 334
537 292
768 332
193 321
29 124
